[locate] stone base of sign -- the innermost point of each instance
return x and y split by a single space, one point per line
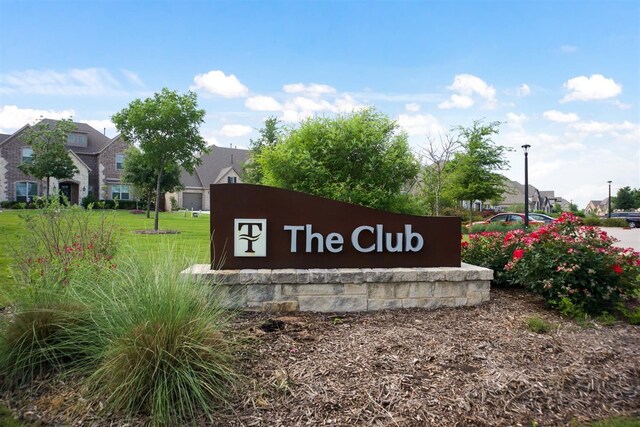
348 289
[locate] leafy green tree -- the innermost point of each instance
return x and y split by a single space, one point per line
361 158
624 199
50 157
165 127
473 171
270 133
142 175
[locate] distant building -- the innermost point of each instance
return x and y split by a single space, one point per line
222 166
597 207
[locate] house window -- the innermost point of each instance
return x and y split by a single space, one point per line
26 191
77 139
120 192
119 162
27 155
232 179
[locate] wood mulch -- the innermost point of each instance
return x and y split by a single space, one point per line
475 366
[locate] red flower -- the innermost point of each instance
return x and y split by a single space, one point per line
464 244
518 253
616 268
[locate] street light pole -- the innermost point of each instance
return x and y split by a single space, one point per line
609 208
526 185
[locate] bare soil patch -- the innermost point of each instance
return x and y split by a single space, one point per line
476 366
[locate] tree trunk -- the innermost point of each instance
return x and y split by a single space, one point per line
160 170
470 212
148 204
48 178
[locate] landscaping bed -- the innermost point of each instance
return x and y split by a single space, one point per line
465 366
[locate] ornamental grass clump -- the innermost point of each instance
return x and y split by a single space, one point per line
565 262
163 351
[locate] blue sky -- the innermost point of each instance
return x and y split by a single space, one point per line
562 76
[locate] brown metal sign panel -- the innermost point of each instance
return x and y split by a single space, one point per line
254 227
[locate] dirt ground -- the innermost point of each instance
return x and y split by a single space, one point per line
476 366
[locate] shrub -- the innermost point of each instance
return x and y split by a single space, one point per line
615 222
88 200
62 241
567 262
538 325
593 221
575 268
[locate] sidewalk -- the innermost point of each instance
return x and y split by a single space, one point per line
629 238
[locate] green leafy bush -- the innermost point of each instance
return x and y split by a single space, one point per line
538 325
615 222
492 250
592 221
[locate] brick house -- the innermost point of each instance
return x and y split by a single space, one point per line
99 160
222 165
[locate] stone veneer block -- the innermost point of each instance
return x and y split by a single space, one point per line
302 276
333 275
280 306
341 303
430 274
380 291
404 275
383 304
402 290
355 288
378 275
457 275
421 290
284 275
477 273
317 275
227 277
450 289
260 293
420 303
232 296
351 275
479 285
309 289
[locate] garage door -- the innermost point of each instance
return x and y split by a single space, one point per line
192 201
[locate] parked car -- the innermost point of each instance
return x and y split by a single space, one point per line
633 218
542 217
508 219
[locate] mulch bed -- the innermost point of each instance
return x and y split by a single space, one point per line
476 366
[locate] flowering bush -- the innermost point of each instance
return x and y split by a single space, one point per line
565 262
63 241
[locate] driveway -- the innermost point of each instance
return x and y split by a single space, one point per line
629 237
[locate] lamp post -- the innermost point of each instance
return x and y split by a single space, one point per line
609 208
526 185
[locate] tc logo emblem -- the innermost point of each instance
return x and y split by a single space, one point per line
250 238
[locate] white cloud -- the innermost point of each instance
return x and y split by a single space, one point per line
235 130
516 120
133 77
262 103
345 104
622 105
568 48
584 88
313 89
419 124
102 126
79 82
466 86
13 118
594 127
217 83
300 107
456 101
413 107
524 90
560 117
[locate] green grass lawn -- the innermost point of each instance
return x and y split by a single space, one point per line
193 240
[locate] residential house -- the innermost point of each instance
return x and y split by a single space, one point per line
99 161
513 198
597 207
222 166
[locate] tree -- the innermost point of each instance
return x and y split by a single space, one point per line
437 153
361 158
165 127
472 171
624 199
142 175
270 133
50 158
